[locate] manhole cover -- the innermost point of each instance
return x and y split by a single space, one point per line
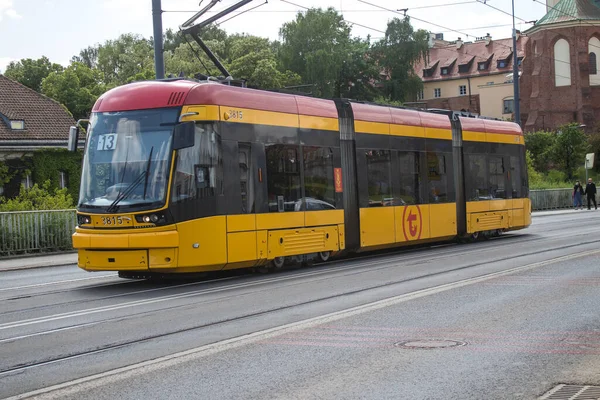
572 392
429 344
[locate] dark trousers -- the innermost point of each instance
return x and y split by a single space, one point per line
592 198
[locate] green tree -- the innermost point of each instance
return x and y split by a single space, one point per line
252 58
77 88
87 56
569 148
315 46
31 72
358 73
38 198
396 53
123 58
540 144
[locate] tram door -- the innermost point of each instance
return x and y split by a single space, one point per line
246 179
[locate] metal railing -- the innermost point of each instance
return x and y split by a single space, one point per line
25 232
551 199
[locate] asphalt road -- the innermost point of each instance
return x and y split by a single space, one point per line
506 318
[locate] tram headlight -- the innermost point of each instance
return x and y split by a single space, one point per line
84 219
156 218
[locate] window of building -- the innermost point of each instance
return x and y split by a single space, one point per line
379 178
482 66
464 68
476 187
427 73
410 183
562 63
502 64
462 90
444 71
283 177
420 95
199 171
319 184
519 61
593 65
17 125
509 106
437 176
496 168
437 92
62 179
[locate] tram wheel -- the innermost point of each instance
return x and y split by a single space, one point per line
323 256
475 236
277 262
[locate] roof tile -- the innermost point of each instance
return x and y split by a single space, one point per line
45 119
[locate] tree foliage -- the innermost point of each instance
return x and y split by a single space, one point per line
30 72
540 144
38 198
316 46
77 87
569 149
396 53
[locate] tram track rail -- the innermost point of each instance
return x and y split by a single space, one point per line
119 344
359 261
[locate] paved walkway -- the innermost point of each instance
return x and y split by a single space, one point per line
53 260
37 261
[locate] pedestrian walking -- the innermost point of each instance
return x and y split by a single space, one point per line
590 191
578 196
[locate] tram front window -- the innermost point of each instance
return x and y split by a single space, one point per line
127 160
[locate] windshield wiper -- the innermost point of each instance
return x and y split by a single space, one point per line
126 192
133 185
148 172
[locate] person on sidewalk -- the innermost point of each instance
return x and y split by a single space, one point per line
590 191
578 196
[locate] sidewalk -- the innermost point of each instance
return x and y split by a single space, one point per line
55 260
37 261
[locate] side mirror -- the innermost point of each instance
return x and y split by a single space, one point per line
73 138
184 135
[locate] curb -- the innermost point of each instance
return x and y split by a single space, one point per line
33 266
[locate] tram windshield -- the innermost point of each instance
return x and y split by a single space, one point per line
126 164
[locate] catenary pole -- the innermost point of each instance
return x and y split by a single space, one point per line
517 102
159 64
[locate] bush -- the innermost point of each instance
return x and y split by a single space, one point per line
38 198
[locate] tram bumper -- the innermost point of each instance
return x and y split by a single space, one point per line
126 252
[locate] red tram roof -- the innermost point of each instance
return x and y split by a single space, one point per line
490 126
159 94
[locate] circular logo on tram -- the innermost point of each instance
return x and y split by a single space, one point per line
412 223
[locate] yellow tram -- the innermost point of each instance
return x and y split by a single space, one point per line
185 176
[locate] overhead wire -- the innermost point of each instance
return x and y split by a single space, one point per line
350 22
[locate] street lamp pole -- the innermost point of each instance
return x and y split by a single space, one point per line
516 70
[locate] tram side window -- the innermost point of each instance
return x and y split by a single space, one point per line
476 177
497 182
246 185
408 192
437 174
283 178
515 178
318 178
379 178
199 171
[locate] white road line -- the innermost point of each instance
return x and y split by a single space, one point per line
131 371
136 303
57 282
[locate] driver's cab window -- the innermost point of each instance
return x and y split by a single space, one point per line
199 170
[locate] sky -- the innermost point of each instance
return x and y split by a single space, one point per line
59 29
